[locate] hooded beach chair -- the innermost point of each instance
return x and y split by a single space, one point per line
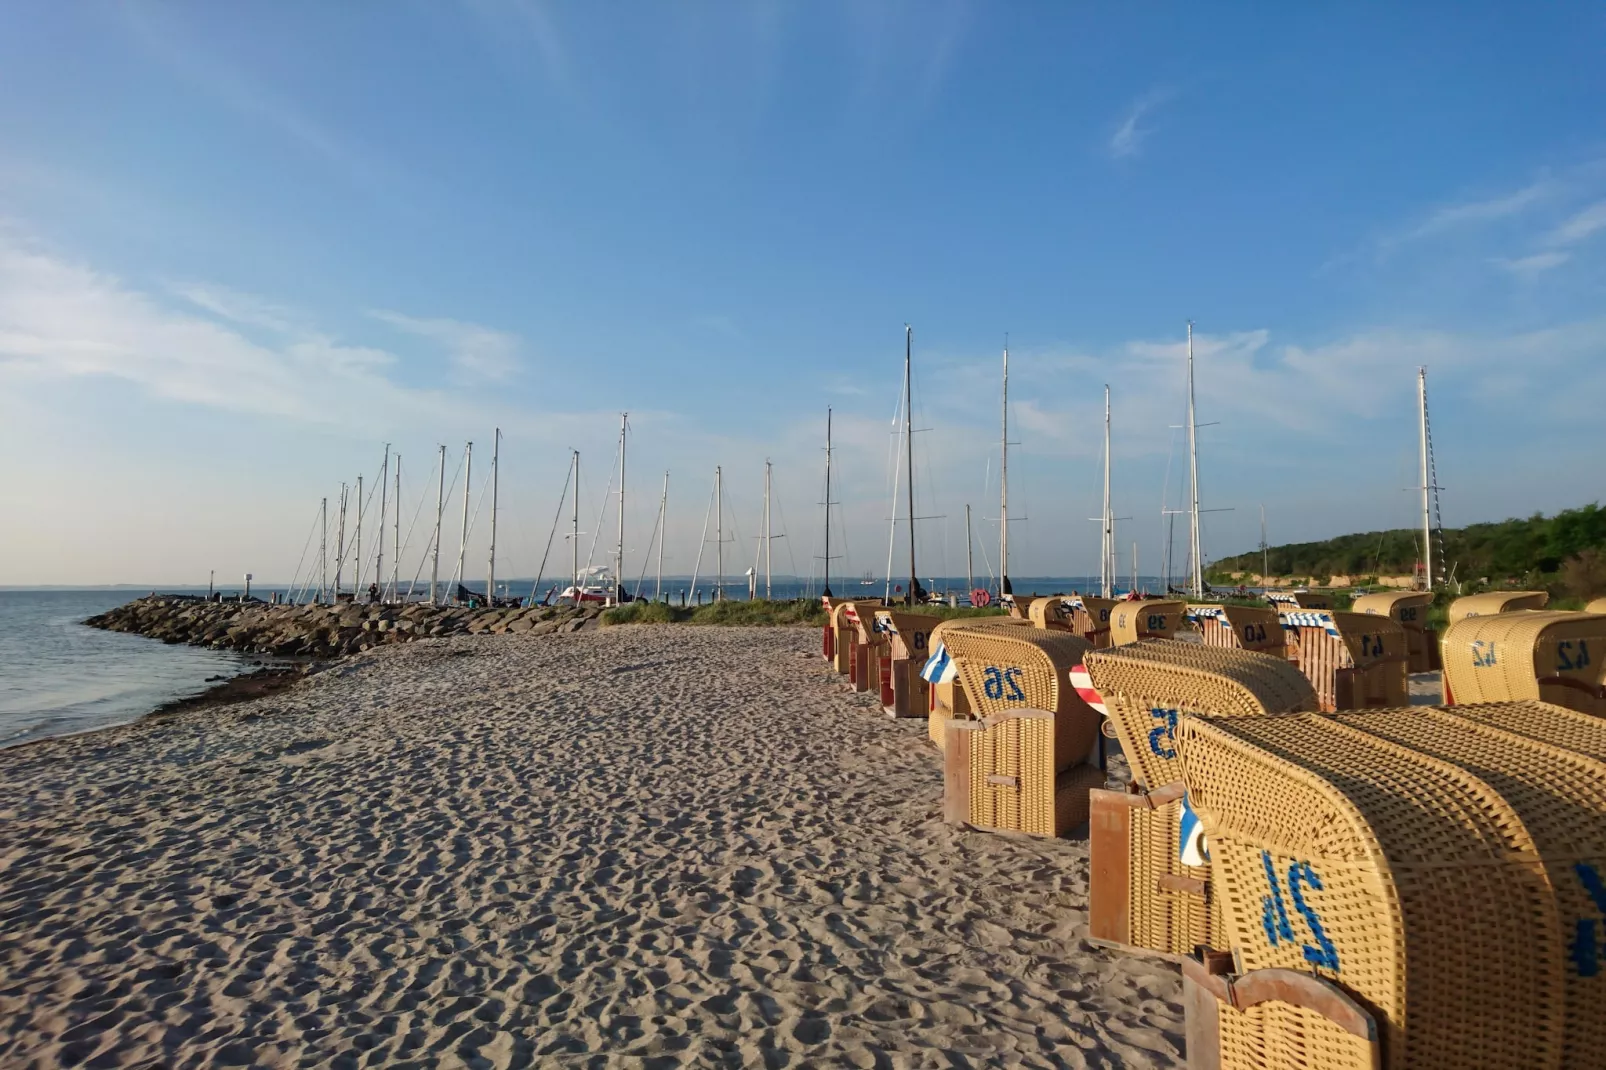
1353 660
1410 610
1556 657
1493 602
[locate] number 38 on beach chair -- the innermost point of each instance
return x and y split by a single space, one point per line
1443 867
1142 893
1023 766
1556 657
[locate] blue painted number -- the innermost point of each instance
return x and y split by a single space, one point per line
1003 683
1483 654
1585 949
1163 736
1274 914
1571 655
1254 633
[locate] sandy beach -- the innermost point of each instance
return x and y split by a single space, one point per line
642 846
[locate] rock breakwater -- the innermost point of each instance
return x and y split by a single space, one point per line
321 631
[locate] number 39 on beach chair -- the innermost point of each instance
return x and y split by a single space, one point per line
1442 866
1149 619
1141 894
1556 657
1023 766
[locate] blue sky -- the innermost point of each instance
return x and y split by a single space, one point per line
243 246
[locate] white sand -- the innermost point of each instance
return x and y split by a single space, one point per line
636 847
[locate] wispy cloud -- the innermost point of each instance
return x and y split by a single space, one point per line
480 351
1531 267
1130 133
236 307
1580 226
1488 210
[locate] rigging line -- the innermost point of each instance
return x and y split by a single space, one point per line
310 532
406 542
602 513
647 556
696 569
897 477
434 542
556 520
472 519
775 499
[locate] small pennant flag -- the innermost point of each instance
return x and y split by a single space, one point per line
940 668
1083 684
1194 851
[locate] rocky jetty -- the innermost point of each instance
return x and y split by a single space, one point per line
324 631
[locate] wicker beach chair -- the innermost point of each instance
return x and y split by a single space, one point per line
1490 603
1312 600
1020 605
1271 1019
1400 876
1052 613
1354 661
1556 657
1140 894
1410 610
1560 795
947 698
1233 627
845 619
1025 761
1151 618
905 692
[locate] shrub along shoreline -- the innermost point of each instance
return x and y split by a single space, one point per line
760 612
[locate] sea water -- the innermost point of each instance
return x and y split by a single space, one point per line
59 676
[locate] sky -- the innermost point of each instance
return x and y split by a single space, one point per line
245 246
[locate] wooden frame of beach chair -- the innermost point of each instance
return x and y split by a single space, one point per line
1403 877
908 646
1140 895
1147 686
1052 613
845 617
872 650
1150 618
1092 619
1271 1019
1492 602
1555 657
828 632
1233 627
1027 759
1559 792
1354 660
1410 610
1020 605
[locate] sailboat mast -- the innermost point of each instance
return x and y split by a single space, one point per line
440 510
827 592
323 552
1107 542
909 447
663 517
356 556
1264 556
1427 517
340 542
970 569
619 558
490 568
574 527
395 559
1196 584
1134 568
768 536
462 544
384 487
719 535
1003 488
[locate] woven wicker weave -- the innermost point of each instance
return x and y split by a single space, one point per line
1484 605
1256 628
1410 609
1556 725
1151 618
1560 795
1139 892
1092 619
1275 1020
1401 876
1513 657
1354 660
1008 668
1014 786
1020 605
1148 685
1051 613
951 696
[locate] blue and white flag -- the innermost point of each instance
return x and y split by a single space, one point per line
940 668
1194 851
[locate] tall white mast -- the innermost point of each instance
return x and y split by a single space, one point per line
323 553
619 558
490 570
663 517
768 537
395 559
574 524
440 509
340 542
356 557
970 577
1264 555
1107 543
462 543
384 487
1003 488
1427 482
826 592
719 535
909 447
1134 568
1196 585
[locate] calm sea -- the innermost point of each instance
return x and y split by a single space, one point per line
58 676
